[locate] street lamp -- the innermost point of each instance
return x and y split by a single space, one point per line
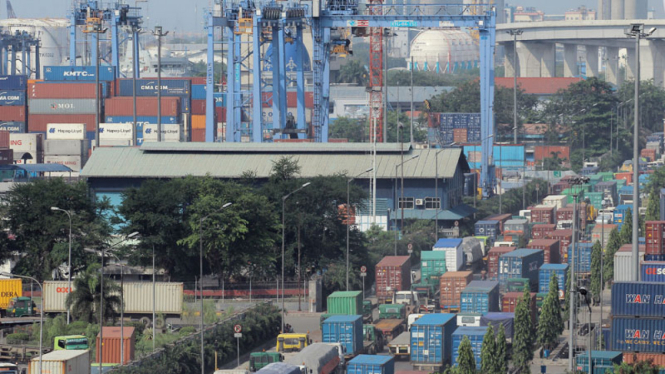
69 266
41 315
201 275
586 294
283 242
515 33
159 34
348 223
396 202
637 31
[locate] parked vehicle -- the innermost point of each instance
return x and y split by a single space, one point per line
373 340
400 347
9 368
367 364
390 327
21 307
280 368
70 342
318 358
392 311
61 362
408 298
289 342
11 290
259 360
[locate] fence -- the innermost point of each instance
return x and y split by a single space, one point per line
254 290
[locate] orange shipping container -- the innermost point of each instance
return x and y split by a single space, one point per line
656 358
198 122
393 273
460 135
510 300
541 152
451 285
628 177
649 153
112 348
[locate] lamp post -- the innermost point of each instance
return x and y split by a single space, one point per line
94 26
396 202
515 33
283 242
41 314
201 275
159 34
587 298
602 254
637 31
348 223
69 263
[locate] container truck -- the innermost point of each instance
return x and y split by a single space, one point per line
318 358
392 311
393 273
11 290
432 341
280 368
347 330
292 342
9 368
62 362
368 364
390 328
259 360
400 347
373 340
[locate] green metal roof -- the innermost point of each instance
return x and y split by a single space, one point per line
220 160
457 213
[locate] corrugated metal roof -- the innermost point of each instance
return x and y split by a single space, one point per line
393 261
273 147
149 162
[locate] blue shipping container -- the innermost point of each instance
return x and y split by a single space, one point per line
487 228
654 258
638 334
148 87
643 299
220 99
432 339
545 273
280 368
347 330
653 272
13 82
198 92
521 263
18 127
78 73
475 335
448 243
140 120
620 213
370 364
480 297
582 256
12 98
601 361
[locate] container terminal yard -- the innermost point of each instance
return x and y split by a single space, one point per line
331 186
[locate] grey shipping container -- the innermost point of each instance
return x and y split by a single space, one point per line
66 148
62 106
522 263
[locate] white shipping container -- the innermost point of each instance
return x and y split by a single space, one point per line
32 157
64 131
464 319
69 147
73 162
62 362
116 131
25 142
558 201
624 270
138 297
454 255
170 132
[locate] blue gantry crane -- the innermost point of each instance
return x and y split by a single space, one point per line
116 15
11 44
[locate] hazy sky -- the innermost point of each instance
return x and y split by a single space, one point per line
187 15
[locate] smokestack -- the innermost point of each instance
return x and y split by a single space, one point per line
617 9
630 9
604 10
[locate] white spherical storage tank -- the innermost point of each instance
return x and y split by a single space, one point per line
444 51
53 34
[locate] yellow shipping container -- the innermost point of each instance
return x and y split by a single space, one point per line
9 288
198 122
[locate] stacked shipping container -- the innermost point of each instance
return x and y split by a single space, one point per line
451 285
66 144
393 273
13 103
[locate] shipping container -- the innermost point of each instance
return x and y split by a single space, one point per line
78 73
628 177
541 152
543 214
469 319
521 263
602 233
61 362
318 358
487 228
63 106
66 148
112 349
480 297
13 113
655 237
12 98
451 285
564 217
517 285
198 122
638 299
501 218
542 231
15 127
557 201
582 257
565 237
66 90
27 157
13 82
624 268
199 92
75 163
4 139
148 87
653 271
392 311
9 288
347 330
510 300
145 106
601 361
637 334
66 131
545 274
432 264
345 302
496 319
26 142
141 120
662 204
280 368
116 131
370 364
170 133
493 261
658 359
516 227
454 253
198 135
432 340
393 273
475 336
40 122
550 248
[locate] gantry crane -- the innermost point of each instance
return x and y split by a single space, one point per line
12 44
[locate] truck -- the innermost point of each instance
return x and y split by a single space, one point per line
259 360
70 342
280 368
408 298
21 307
390 328
9 368
428 296
61 362
392 311
318 358
289 342
400 347
11 290
373 342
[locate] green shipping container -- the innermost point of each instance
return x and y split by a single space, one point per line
606 175
346 303
595 179
392 311
595 198
580 197
517 284
620 183
432 263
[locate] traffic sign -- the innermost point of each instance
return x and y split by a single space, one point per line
363 274
363 269
237 328
237 335
409 246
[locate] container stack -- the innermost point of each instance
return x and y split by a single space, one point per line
480 297
13 103
393 273
454 253
475 335
511 299
459 127
66 144
198 119
121 109
624 271
582 257
521 263
655 241
6 153
27 148
116 134
550 248
493 261
545 273
432 340
451 286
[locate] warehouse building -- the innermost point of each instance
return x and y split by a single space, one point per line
110 170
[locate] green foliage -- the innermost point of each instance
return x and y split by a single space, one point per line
18 338
523 340
200 69
85 300
638 367
465 360
511 200
488 359
353 71
626 233
596 256
501 364
653 207
550 325
613 245
429 78
566 301
356 130
652 104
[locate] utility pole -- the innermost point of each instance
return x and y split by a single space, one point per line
514 33
159 34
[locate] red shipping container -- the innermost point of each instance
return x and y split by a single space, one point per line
220 114
198 107
543 214
451 285
460 135
198 135
493 261
550 249
649 153
657 359
393 273
4 139
655 233
6 156
542 231
38 122
510 300
541 152
628 177
566 214
13 113
565 237
558 188
145 106
502 218
334 140
64 91
112 346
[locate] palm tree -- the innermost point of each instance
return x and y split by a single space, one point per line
84 299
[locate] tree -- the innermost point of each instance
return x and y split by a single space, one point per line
596 255
637 367
613 245
566 300
501 364
488 359
353 129
653 207
465 360
626 233
353 71
550 325
652 104
523 340
84 300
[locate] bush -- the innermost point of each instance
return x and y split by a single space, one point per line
18 338
77 328
187 330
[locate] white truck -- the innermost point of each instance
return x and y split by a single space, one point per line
400 347
408 298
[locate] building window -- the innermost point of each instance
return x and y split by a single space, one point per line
432 203
406 203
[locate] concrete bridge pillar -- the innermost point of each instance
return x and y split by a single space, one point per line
617 9
652 61
612 74
536 59
569 60
630 63
510 65
591 61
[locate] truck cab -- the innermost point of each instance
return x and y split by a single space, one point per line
21 307
70 342
9 368
292 342
373 339
408 298
259 360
